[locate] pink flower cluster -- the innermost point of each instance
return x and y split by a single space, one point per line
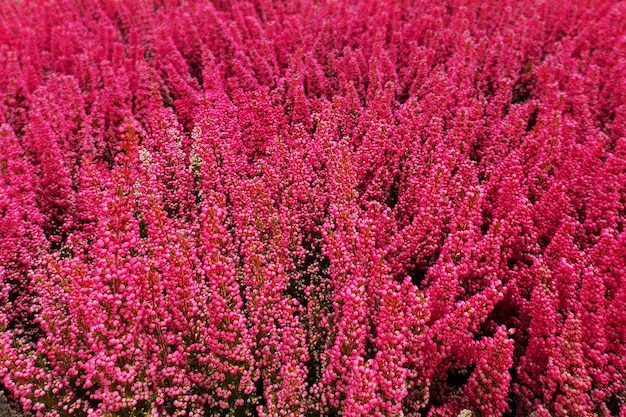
313 208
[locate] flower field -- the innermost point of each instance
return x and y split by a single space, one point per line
313 208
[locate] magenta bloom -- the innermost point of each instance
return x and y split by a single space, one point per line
313 208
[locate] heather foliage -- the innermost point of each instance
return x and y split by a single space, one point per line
313 208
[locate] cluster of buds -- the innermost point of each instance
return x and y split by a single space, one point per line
313 208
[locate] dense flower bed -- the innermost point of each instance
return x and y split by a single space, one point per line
313 208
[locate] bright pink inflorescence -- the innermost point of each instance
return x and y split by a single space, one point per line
313 208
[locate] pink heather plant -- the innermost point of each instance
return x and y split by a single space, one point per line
356 208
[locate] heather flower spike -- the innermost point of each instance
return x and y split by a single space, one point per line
355 208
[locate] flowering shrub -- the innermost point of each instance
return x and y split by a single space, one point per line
302 208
